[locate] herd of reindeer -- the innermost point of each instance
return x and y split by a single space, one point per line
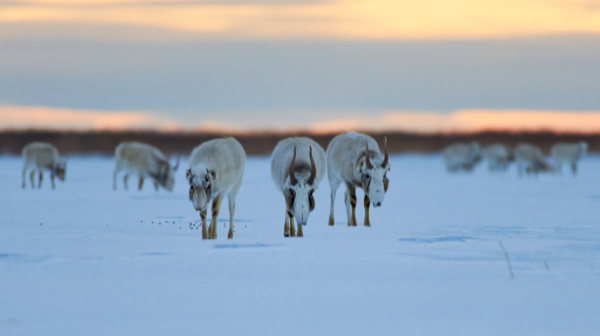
216 170
529 158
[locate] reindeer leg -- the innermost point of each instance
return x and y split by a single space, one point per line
204 228
300 233
286 226
367 205
141 183
125 177
334 184
52 179
23 177
216 206
231 215
331 207
40 181
116 172
350 198
353 203
31 178
231 200
348 207
155 185
292 227
574 168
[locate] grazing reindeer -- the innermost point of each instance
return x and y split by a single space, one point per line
568 153
297 167
530 159
462 156
216 170
499 157
144 160
355 159
38 156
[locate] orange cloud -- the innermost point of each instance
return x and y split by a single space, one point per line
469 121
17 117
342 19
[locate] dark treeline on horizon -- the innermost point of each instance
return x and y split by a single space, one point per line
256 144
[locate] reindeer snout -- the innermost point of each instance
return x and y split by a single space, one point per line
378 204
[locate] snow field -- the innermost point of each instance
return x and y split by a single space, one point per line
86 260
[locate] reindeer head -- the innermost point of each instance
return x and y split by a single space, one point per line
373 171
298 191
60 170
165 175
475 155
200 188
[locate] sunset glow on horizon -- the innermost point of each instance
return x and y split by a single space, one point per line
343 19
26 118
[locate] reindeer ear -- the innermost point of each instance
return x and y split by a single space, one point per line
188 174
359 166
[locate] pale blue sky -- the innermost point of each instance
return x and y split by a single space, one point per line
270 81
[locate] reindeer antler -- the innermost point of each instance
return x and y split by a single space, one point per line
313 168
367 160
293 179
385 159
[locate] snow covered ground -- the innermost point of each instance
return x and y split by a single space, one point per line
86 260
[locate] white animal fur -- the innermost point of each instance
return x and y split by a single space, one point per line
462 156
498 156
568 153
144 161
216 170
347 162
39 156
298 193
530 159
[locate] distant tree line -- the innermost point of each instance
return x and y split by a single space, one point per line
257 144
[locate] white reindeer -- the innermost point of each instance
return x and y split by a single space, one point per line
498 156
144 161
568 153
297 168
39 156
530 160
216 170
355 159
462 156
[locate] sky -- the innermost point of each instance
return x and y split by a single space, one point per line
322 66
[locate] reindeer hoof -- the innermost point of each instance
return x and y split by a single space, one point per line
286 235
